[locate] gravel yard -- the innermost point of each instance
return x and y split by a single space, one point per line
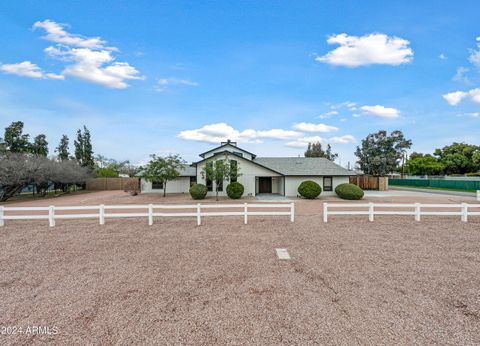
393 281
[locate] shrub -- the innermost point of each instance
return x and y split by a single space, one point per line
235 190
198 191
309 189
349 191
106 173
132 187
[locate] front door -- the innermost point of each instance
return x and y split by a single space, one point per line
265 185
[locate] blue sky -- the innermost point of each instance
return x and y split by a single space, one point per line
177 77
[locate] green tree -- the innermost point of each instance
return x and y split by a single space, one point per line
83 148
315 150
219 171
14 140
459 158
163 169
380 154
62 148
424 164
39 146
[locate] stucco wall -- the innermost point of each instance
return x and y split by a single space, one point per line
292 183
248 171
179 185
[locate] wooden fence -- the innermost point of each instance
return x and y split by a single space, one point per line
103 184
368 182
101 213
415 209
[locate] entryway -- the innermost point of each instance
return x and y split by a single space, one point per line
265 185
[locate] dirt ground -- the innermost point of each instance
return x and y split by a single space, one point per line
392 281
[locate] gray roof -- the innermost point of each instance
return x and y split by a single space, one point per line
189 171
303 166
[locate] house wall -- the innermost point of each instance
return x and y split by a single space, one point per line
249 172
292 183
179 185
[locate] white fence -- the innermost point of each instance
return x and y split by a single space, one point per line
149 211
417 210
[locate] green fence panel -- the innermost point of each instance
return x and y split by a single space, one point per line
441 183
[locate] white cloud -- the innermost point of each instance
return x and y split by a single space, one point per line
381 111
328 114
27 69
87 59
216 133
471 114
309 127
474 57
56 33
164 83
455 97
375 48
342 139
303 141
460 75
443 56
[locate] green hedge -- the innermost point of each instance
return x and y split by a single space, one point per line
309 189
198 191
349 191
235 190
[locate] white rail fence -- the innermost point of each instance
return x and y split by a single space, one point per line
149 211
417 210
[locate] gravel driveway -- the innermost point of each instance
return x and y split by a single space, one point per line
392 281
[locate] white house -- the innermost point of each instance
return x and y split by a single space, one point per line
259 175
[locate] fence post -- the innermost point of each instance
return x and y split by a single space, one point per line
2 213
245 213
325 212
199 220
464 212
417 212
370 212
150 214
102 214
478 195
51 216
292 212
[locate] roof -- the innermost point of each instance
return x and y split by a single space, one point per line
188 171
228 144
236 157
303 166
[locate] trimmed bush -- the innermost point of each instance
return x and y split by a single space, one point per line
235 190
349 191
309 189
198 191
132 187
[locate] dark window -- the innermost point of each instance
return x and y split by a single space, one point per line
238 153
193 180
233 171
327 183
209 182
157 185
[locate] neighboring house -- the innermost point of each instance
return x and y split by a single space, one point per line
259 175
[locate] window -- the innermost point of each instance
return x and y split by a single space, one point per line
209 182
233 171
327 183
193 180
157 185
238 153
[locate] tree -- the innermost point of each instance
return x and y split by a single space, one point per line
380 154
219 171
14 140
459 158
315 150
39 146
420 164
83 148
62 148
163 169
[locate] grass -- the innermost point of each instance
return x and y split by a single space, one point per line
25 197
433 188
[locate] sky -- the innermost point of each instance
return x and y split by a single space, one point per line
178 77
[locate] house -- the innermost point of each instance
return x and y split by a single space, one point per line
259 175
